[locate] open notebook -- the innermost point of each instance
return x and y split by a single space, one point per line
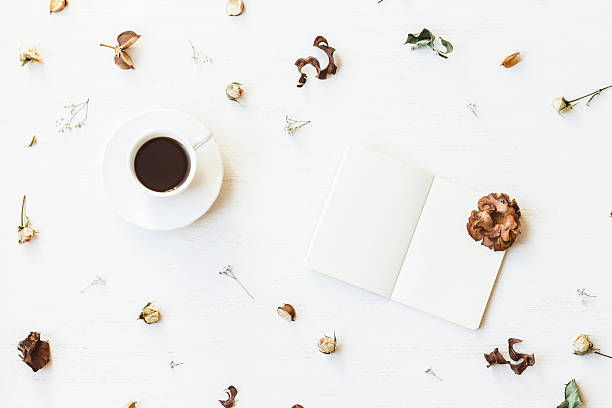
399 231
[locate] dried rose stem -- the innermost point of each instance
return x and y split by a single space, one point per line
22 209
108 46
597 92
602 354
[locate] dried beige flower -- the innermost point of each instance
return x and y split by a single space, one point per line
57 5
234 7
561 105
327 345
125 40
582 345
150 314
234 91
511 60
29 54
287 312
130 405
25 232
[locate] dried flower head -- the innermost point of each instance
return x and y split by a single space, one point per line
231 392
286 311
561 105
130 405
234 7
125 40
426 39
150 314
327 345
523 360
29 54
234 91
496 222
57 5
25 232
75 116
511 60
584 345
321 43
34 352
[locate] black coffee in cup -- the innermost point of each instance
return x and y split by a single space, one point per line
161 164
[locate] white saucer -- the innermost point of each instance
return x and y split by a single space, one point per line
166 213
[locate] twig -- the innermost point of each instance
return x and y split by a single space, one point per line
227 271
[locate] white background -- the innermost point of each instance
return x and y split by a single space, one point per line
408 104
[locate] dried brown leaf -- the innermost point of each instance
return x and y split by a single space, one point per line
126 39
123 60
34 352
495 357
231 397
511 60
331 68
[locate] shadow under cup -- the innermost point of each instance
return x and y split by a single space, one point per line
162 164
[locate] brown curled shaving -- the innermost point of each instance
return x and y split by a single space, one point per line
231 396
321 43
523 360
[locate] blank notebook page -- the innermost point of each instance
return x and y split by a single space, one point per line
368 220
446 273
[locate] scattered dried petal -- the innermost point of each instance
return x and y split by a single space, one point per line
231 392
123 60
297 406
29 54
495 357
327 345
150 314
130 405
234 91
124 41
234 7
287 312
57 5
496 222
331 68
34 352
511 60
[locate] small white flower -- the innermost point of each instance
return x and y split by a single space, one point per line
26 234
561 105
327 345
234 91
582 345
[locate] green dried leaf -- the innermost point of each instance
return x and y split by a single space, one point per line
447 45
572 396
424 38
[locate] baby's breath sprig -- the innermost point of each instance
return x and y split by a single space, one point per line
98 281
76 116
472 108
197 55
227 271
292 125
174 364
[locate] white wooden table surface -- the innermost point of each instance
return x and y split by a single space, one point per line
409 104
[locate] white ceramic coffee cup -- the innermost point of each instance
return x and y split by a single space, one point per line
190 148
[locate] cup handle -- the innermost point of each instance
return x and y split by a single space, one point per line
204 137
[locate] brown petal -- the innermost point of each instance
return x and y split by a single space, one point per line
321 43
297 406
57 5
511 60
126 39
123 60
301 63
34 352
513 354
231 396
495 357
286 311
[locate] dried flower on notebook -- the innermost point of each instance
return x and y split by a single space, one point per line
572 396
29 54
321 43
511 60
197 56
234 91
150 314
231 392
292 125
496 222
286 311
125 40
25 232
228 271
584 345
426 39
562 105
34 352
523 360
57 5
234 7
76 116
327 345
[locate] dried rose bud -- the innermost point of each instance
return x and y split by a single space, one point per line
561 105
582 345
57 5
511 60
286 311
327 345
125 40
234 7
234 91
130 405
150 314
29 54
25 234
